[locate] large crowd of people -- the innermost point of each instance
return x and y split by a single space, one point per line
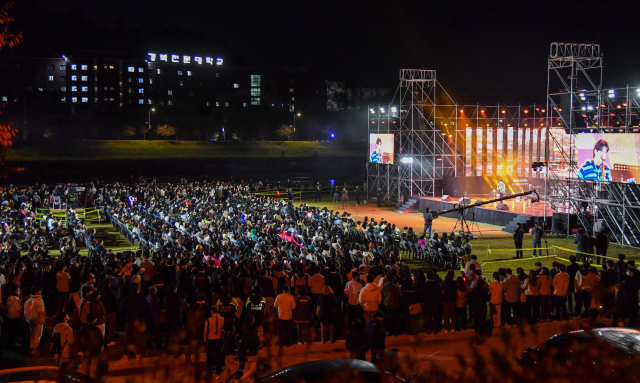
223 269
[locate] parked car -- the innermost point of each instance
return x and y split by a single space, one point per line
329 370
614 352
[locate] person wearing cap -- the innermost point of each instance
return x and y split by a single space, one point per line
35 314
377 335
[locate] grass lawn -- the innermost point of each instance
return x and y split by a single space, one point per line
136 149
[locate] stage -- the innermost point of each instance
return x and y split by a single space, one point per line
521 210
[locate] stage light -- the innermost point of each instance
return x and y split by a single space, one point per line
394 109
584 115
461 111
406 160
589 107
504 111
611 91
612 114
373 122
482 111
560 110
618 106
624 104
383 122
372 111
543 110
381 110
394 122
332 135
450 135
581 94
526 111
584 108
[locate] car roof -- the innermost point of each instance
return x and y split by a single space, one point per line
315 371
624 339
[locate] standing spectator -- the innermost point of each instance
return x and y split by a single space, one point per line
618 267
511 297
108 298
36 315
256 308
230 344
173 305
544 291
537 233
66 340
518 236
572 269
496 289
449 295
318 192
608 278
462 302
391 295
134 308
198 315
249 345
476 265
370 299
62 286
357 192
285 303
377 336
213 339
90 340
48 285
602 245
582 244
478 299
303 315
584 283
560 287
380 196
357 342
432 298
327 313
352 290
155 327
428 222
531 289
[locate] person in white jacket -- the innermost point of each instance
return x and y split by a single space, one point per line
35 314
66 340
370 298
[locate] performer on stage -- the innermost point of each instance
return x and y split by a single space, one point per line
501 188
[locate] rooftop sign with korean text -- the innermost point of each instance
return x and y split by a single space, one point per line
184 59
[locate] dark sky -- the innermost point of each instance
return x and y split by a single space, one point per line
484 52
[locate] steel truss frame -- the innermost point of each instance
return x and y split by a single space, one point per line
423 120
574 82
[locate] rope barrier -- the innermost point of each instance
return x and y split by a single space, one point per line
582 252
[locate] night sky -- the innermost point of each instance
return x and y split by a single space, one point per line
486 52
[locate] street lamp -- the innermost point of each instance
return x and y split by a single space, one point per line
294 121
150 110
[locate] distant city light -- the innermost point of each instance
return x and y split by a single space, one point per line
332 135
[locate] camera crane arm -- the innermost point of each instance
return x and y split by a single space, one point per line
463 207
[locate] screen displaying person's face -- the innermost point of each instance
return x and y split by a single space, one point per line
378 146
600 156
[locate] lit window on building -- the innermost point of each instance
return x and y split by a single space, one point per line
217 74
74 67
63 99
85 99
140 101
159 71
74 78
95 100
170 92
52 67
244 104
179 73
130 90
130 79
95 67
63 67
74 88
131 69
255 80
217 103
292 99
4 98
84 67
110 66
140 70
255 91
291 90
140 90
169 102
255 100
84 78
85 88
227 104
51 78
188 73
112 99
63 88
140 81
181 83
150 102
74 99
236 85
150 81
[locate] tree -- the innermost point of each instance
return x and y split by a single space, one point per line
285 131
165 130
128 131
236 137
6 37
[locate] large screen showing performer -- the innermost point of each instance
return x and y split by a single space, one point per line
609 157
381 148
